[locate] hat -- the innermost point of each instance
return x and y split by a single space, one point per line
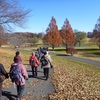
33 53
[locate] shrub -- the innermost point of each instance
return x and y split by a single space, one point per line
72 51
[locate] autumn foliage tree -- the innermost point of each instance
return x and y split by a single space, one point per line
68 37
52 36
96 33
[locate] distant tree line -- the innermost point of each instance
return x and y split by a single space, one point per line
20 38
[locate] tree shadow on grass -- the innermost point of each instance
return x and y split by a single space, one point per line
9 95
97 53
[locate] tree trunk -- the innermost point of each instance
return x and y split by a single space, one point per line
66 47
52 47
72 53
79 44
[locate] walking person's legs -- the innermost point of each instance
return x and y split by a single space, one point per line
44 71
32 70
47 73
20 90
35 71
0 90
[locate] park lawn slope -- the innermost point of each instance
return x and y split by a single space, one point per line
74 80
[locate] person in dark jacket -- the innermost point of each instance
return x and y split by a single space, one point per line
17 55
2 72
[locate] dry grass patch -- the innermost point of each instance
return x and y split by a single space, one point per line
75 81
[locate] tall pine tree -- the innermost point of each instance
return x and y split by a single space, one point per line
52 36
68 36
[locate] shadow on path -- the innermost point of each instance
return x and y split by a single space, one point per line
9 95
37 77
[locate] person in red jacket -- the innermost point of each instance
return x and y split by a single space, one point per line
34 62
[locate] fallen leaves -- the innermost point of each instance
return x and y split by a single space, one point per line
74 81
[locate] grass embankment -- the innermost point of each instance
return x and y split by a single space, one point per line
6 58
75 81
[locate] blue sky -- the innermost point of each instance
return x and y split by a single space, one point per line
82 14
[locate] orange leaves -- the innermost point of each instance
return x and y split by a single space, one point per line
67 34
53 36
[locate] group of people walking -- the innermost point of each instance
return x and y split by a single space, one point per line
18 73
43 59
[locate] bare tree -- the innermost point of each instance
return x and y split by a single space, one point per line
3 39
12 14
96 33
17 39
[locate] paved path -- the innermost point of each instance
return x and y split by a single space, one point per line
37 89
87 61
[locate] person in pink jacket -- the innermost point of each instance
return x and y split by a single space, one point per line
20 84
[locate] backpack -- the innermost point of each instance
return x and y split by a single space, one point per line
44 61
32 62
37 55
15 73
